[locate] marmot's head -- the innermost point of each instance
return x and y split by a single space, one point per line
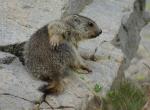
87 27
72 28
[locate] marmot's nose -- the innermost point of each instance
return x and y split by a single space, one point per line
99 32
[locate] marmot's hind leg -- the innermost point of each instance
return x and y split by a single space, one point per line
53 87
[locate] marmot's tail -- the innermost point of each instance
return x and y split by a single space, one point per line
16 49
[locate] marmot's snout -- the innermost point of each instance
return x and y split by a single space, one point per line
94 30
95 33
98 32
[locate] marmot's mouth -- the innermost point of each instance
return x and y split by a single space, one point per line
93 36
96 34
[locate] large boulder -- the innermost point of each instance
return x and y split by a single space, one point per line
139 69
121 22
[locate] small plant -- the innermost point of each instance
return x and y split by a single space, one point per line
97 88
125 97
82 77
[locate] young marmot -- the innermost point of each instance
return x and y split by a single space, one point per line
52 49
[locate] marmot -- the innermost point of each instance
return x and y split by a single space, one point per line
52 49
50 64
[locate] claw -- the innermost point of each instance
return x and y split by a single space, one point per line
86 68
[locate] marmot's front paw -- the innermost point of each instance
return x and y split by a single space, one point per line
54 41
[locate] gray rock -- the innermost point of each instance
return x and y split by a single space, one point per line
15 83
128 37
6 58
139 69
19 19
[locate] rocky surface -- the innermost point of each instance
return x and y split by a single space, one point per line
15 83
139 69
18 90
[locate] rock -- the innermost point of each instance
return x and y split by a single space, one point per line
128 37
17 87
18 18
115 18
6 58
74 6
139 69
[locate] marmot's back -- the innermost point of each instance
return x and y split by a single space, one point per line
42 60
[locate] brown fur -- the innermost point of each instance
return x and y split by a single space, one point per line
49 64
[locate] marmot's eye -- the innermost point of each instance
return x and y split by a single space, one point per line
90 24
77 20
